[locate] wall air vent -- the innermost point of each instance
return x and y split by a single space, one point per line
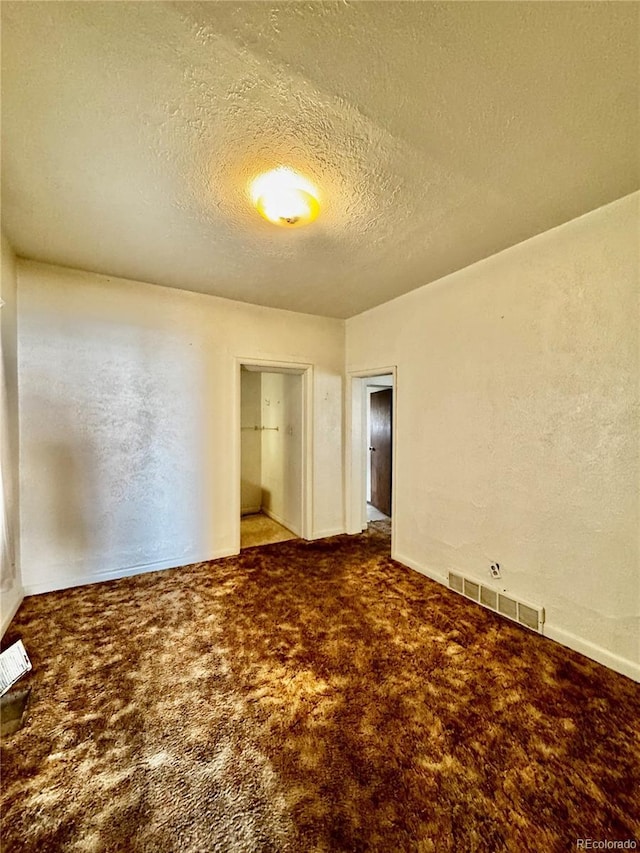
524 614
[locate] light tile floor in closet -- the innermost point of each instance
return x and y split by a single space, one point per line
259 529
374 514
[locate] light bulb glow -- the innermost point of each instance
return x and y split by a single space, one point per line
285 198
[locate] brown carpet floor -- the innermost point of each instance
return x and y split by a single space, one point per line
309 696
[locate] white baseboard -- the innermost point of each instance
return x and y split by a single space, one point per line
325 534
565 638
115 574
281 521
250 510
11 601
591 650
407 561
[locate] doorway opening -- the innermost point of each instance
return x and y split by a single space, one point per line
273 441
371 452
379 448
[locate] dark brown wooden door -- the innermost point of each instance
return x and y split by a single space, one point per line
381 408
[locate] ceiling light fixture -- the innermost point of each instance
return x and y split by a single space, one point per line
285 198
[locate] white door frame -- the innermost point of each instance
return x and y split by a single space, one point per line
305 370
356 448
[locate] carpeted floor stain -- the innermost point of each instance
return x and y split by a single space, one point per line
309 696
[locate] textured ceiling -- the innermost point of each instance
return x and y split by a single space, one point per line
439 133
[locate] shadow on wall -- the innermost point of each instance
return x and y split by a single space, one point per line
250 440
282 473
66 495
267 498
113 450
8 573
252 504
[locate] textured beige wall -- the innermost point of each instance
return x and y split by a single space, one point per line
517 425
10 581
128 426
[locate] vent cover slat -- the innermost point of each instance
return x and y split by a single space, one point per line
528 616
489 597
525 614
507 606
455 582
471 589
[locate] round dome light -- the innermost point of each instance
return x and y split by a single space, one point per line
285 198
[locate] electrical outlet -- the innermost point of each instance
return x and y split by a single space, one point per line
495 570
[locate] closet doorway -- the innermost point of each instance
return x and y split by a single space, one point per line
273 446
379 449
379 390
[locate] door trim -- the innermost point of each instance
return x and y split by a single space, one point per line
355 449
305 369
